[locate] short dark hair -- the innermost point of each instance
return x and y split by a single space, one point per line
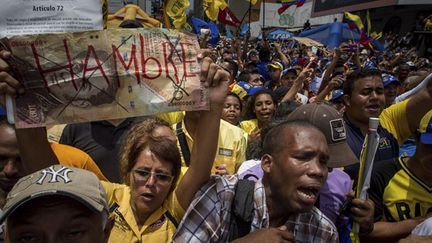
237 97
273 142
348 86
244 76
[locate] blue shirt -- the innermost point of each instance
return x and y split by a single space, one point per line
263 70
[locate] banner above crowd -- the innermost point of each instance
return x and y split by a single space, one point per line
100 75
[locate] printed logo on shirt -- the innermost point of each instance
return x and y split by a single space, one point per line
119 221
337 130
384 143
226 152
158 223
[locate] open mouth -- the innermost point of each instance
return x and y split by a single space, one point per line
308 195
374 107
147 196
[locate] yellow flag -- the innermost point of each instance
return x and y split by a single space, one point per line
212 8
175 9
253 1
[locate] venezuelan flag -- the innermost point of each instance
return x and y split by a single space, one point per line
353 21
288 3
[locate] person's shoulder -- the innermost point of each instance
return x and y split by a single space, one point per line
224 125
398 107
66 151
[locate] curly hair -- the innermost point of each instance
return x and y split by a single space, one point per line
250 105
141 136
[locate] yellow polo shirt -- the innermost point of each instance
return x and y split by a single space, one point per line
231 149
157 228
249 125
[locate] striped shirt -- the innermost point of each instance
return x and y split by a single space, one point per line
209 215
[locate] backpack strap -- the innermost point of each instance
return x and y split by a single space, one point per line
172 219
181 136
242 209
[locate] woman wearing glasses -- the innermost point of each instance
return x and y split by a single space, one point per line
154 198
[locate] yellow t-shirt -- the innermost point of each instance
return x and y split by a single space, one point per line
157 228
249 125
231 149
394 119
70 156
172 117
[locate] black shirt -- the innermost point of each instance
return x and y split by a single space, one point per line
102 141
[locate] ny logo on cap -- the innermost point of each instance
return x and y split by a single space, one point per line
55 175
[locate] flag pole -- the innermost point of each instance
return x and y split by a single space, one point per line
165 16
264 14
250 10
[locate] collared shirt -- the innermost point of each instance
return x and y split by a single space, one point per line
232 143
209 215
157 228
249 126
393 130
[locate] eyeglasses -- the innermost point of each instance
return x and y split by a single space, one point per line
144 176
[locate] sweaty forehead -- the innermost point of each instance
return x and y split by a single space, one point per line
367 82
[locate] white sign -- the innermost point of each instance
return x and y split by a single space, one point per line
19 17
293 17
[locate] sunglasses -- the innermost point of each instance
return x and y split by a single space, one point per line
144 176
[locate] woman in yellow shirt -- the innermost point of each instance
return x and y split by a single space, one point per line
259 111
154 197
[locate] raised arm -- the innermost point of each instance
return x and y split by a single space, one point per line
329 70
35 151
418 105
207 132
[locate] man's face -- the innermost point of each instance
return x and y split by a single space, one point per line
403 72
253 58
11 169
275 74
298 171
367 99
288 79
255 80
390 92
231 111
148 195
56 220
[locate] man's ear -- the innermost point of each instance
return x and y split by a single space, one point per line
266 163
346 99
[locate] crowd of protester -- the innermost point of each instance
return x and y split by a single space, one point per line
275 159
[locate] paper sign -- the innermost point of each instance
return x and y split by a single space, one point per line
19 17
109 74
